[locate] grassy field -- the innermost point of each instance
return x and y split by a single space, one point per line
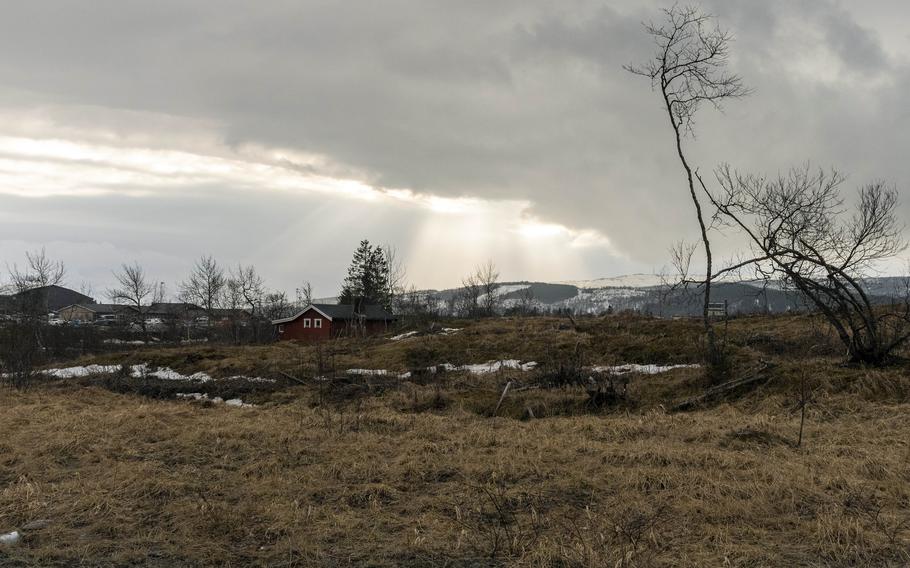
385 471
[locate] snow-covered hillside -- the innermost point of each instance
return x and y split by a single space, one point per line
625 281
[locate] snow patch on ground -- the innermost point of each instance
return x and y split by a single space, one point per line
405 335
10 538
643 369
515 364
476 369
74 372
443 331
142 371
202 397
495 366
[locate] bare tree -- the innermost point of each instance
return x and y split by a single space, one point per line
487 277
689 69
305 294
205 285
87 289
526 302
39 271
134 286
798 231
396 274
249 287
275 305
468 298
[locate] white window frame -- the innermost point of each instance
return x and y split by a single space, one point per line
317 323
307 323
281 328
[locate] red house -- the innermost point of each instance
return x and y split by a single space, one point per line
326 321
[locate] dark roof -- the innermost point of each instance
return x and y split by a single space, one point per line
229 312
104 308
171 308
369 312
53 297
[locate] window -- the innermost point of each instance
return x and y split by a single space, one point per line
317 322
307 322
281 328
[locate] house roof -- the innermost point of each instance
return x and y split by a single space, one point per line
369 312
102 308
171 308
229 312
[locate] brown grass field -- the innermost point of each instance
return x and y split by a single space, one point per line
385 472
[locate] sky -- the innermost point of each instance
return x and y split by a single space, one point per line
281 133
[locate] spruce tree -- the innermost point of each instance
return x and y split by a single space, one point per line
353 290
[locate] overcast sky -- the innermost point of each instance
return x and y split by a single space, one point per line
280 133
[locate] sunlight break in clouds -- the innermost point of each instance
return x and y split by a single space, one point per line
459 231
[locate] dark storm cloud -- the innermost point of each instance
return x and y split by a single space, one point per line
501 100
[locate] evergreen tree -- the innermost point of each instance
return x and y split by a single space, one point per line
367 281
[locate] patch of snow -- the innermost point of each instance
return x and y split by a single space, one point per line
449 330
375 373
74 372
643 369
10 538
368 372
504 289
495 366
203 397
404 335
123 342
476 369
140 371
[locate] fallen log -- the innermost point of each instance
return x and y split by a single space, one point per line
505 391
753 377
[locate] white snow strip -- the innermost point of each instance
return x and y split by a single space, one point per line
140 371
73 372
495 366
404 335
643 369
450 330
368 372
203 397
477 369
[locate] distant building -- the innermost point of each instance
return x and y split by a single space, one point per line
173 311
325 321
94 312
45 299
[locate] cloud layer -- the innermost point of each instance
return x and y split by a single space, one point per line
284 132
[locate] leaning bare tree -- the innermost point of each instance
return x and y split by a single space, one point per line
800 233
134 286
689 69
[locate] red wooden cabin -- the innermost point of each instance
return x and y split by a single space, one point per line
326 321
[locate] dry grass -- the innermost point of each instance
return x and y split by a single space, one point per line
419 474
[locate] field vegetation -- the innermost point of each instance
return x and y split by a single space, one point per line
439 469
